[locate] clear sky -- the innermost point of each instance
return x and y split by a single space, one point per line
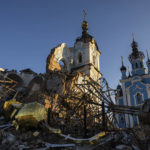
29 29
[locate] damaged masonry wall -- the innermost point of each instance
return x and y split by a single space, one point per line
83 57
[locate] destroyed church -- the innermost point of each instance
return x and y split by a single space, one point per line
60 89
83 57
73 101
69 67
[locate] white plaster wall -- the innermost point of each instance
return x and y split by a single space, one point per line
62 52
94 53
125 99
82 48
94 74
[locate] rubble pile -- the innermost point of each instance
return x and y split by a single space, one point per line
12 139
48 111
45 138
129 139
28 129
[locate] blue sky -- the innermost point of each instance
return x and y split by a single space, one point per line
29 29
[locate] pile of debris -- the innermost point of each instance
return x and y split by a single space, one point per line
49 111
44 137
66 104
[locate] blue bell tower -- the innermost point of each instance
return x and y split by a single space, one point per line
134 89
123 69
136 59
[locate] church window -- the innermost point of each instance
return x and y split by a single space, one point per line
80 58
138 96
135 120
141 64
136 65
120 101
62 64
122 118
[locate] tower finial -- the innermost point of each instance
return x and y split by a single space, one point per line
84 23
84 15
133 36
134 46
129 71
122 60
147 54
123 68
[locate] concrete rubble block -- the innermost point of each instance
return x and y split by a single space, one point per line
56 84
31 114
36 133
11 138
126 138
35 85
3 135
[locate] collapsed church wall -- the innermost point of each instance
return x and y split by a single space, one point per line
60 53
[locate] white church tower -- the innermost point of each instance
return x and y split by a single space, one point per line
83 57
86 54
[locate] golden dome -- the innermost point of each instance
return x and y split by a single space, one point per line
84 25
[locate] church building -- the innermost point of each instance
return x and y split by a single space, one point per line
83 57
135 87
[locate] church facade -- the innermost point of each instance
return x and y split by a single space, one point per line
135 87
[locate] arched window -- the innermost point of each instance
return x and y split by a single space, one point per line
136 65
122 118
139 100
141 64
80 58
62 64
